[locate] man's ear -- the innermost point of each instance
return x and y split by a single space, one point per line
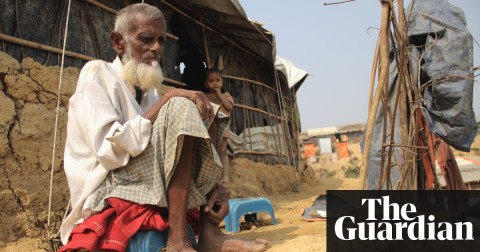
118 42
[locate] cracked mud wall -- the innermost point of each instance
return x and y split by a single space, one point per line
28 103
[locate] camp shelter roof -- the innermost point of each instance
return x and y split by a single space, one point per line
231 19
294 76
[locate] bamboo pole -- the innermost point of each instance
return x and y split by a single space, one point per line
258 110
205 45
248 80
259 153
102 6
383 80
39 46
47 48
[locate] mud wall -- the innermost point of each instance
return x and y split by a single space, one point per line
28 104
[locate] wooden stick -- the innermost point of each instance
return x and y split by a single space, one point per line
346 1
372 75
384 62
406 146
175 82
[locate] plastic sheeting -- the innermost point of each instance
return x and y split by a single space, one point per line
309 150
447 63
262 139
294 76
437 30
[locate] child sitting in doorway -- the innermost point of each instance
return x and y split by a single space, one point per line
214 84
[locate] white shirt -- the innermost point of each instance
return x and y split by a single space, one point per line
104 130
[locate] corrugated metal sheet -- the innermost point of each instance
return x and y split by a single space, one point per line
325 145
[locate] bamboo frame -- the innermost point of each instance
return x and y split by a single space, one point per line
55 50
215 31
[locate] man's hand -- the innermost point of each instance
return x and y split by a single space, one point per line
217 204
198 97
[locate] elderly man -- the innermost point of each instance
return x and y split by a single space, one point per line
135 160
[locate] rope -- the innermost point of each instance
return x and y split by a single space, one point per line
56 117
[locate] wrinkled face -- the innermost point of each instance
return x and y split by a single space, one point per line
145 40
214 80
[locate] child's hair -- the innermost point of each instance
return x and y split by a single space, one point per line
212 70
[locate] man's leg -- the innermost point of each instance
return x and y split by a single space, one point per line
223 155
177 199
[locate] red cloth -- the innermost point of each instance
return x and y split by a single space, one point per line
427 156
112 228
448 165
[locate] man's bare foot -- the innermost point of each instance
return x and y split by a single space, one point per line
212 239
177 244
232 245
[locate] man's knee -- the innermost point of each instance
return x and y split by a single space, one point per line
180 100
181 104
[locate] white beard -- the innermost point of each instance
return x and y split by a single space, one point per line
141 75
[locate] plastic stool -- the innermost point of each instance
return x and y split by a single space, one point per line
154 241
241 206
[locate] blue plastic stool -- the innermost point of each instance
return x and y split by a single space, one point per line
241 206
154 241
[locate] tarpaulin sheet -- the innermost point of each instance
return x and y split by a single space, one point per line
343 150
309 150
438 33
448 59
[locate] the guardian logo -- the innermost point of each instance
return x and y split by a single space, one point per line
399 222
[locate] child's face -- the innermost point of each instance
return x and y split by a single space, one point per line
214 80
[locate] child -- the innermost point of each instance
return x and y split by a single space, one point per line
214 83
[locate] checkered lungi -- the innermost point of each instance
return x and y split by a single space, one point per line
145 179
